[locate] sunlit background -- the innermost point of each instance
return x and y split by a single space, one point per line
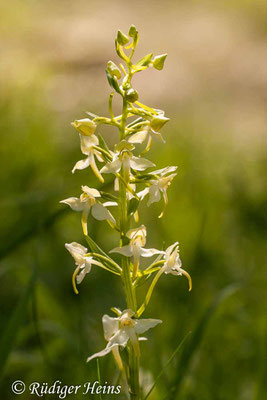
214 90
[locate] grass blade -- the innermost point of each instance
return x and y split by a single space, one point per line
178 348
99 376
9 335
261 385
196 339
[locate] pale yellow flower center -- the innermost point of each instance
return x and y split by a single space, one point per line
164 182
91 200
127 322
138 240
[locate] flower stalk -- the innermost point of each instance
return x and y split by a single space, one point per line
129 169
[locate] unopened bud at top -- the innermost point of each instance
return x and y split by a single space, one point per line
84 126
132 31
113 69
122 38
158 61
158 121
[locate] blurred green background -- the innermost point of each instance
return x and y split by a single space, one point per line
213 88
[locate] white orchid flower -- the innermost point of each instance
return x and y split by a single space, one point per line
119 330
83 262
88 202
146 134
136 248
88 144
128 161
158 185
173 263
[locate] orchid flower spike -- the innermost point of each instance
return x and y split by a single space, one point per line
88 144
83 262
159 183
119 330
87 202
173 263
136 248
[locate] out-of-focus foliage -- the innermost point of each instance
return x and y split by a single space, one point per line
215 87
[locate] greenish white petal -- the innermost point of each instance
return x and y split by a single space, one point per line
140 164
100 213
82 164
125 250
143 325
75 203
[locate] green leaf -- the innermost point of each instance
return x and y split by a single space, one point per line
108 196
133 205
102 143
196 339
94 247
8 337
178 348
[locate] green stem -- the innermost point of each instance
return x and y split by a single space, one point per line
126 272
134 375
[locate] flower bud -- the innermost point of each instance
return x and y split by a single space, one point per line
157 122
113 81
132 31
122 38
113 69
145 60
124 145
131 95
84 126
158 61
